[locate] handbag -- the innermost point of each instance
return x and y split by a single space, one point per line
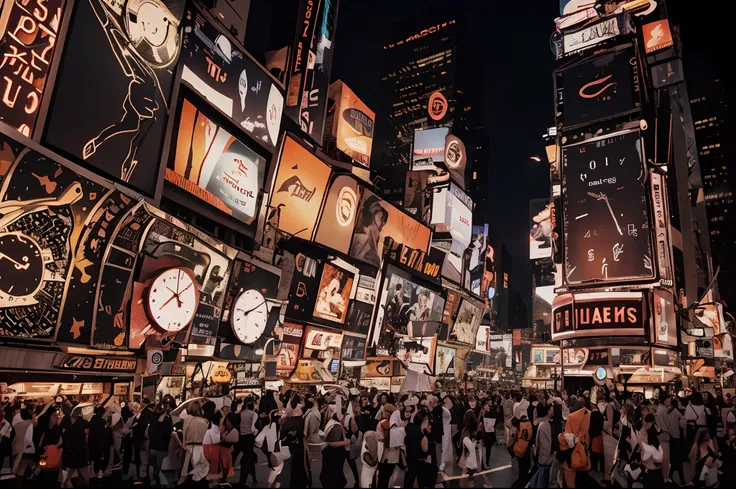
281 451
51 457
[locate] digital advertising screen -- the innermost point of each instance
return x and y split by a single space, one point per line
321 344
452 211
445 363
467 321
214 166
598 314
606 217
334 294
598 88
336 225
379 219
541 236
352 123
428 152
288 354
299 187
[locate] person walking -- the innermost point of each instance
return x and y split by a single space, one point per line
75 458
5 444
543 453
350 426
50 450
391 448
370 454
651 453
522 445
248 419
335 451
24 450
98 443
159 435
417 452
293 436
468 453
195 467
696 416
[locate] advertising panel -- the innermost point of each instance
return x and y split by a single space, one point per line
445 364
351 123
28 34
500 350
335 229
383 368
437 106
465 327
197 264
591 35
291 338
403 300
359 317
657 36
377 220
306 25
416 201
598 314
452 211
312 101
417 350
224 74
366 290
542 238
300 184
334 294
667 73
665 358
428 153
451 306
665 319
711 315
213 165
304 288
479 272
606 219
483 339
598 88
661 227
320 344
456 157
353 347
129 49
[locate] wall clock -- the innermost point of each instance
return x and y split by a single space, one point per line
249 316
172 300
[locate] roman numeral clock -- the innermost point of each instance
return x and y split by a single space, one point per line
606 217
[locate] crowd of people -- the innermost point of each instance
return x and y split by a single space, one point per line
598 437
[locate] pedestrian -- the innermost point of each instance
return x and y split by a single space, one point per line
651 453
728 457
608 411
696 416
350 426
268 440
293 436
391 449
248 419
5 431
447 429
469 451
522 445
335 451
370 454
24 450
195 466
543 453
99 443
75 458
575 447
488 422
159 435
229 438
436 422
49 449
704 460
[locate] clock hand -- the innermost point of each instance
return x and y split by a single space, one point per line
17 265
613 215
165 303
178 277
253 309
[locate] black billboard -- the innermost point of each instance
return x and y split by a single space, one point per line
606 219
598 314
597 88
114 83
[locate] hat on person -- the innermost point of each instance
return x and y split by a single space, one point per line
412 401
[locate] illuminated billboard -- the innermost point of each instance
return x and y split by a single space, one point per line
428 152
334 294
129 49
28 33
452 211
598 314
213 165
606 217
445 363
299 186
335 229
377 220
467 321
598 88
352 123
222 72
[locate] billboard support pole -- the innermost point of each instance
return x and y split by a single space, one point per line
562 366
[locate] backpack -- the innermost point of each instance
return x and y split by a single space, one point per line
578 457
522 440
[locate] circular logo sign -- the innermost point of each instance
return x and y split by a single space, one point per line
454 152
221 375
347 202
601 373
437 106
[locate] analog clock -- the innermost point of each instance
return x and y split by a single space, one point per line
249 316
606 217
172 300
21 265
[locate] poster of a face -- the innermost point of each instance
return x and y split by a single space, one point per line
129 48
541 237
445 364
339 214
403 301
300 184
377 220
466 323
214 166
334 294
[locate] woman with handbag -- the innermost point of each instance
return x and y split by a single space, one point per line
49 450
696 416
269 440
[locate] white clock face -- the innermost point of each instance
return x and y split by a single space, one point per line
172 300
249 316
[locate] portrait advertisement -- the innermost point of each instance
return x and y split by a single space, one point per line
468 319
130 49
334 294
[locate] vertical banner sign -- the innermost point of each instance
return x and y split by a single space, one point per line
305 27
659 203
28 31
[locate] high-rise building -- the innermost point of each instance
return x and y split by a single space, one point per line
425 55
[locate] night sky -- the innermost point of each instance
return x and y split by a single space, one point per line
516 64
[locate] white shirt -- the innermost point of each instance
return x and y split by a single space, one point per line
471 461
28 441
5 428
696 413
17 419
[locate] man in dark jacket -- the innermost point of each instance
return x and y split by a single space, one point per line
435 421
159 435
76 461
98 441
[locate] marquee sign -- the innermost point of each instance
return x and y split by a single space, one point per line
97 364
591 35
595 314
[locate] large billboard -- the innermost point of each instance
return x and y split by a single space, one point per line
299 186
467 321
378 220
215 166
28 34
598 314
351 123
606 219
223 73
402 301
334 294
335 229
541 237
130 50
598 88
428 152
479 272
445 363
452 211
416 201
